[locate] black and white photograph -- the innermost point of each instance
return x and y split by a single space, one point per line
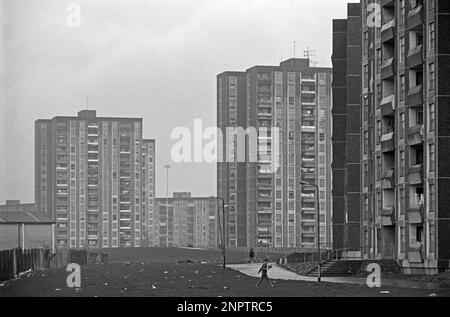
225 154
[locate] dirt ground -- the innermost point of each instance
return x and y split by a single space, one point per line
179 273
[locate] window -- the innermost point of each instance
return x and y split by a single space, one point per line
432 189
432 71
432 117
366 109
379 130
380 93
366 174
366 142
402 201
402 163
366 75
402 125
402 12
378 60
432 36
378 168
432 236
401 58
432 150
402 88
366 42
402 240
431 5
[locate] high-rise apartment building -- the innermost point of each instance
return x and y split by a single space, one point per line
95 177
231 176
405 133
346 136
289 107
190 222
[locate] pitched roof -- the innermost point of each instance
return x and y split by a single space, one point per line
24 217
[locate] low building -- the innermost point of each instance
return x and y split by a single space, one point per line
25 230
16 205
185 221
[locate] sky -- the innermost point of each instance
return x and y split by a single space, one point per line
155 59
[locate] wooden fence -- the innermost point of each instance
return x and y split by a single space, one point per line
16 261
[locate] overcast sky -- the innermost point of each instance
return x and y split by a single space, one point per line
155 59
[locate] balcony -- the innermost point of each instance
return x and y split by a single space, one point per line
415 253
388 31
387 179
415 175
415 213
265 211
388 106
415 97
387 3
388 69
309 79
415 135
265 197
308 141
415 57
307 104
308 128
388 216
388 142
415 19
308 93
264 114
308 163
308 176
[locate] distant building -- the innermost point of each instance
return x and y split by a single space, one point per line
346 136
269 207
26 230
94 176
16 205
185 221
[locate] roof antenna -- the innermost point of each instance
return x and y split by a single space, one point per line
308 53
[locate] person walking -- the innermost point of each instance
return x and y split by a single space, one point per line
251 255
264 276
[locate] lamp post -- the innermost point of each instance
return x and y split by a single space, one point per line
167 166
223 230
318 225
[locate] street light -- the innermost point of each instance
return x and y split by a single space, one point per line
167 166
318 224
223 230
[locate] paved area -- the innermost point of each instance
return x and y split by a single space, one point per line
279 273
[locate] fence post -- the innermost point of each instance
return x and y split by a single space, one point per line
41 259
14 263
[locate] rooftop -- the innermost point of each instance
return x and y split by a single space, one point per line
24 217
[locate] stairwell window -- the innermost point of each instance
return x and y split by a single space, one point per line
432 36
431 117
402 12
432 72
431 5
401 58
431 150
